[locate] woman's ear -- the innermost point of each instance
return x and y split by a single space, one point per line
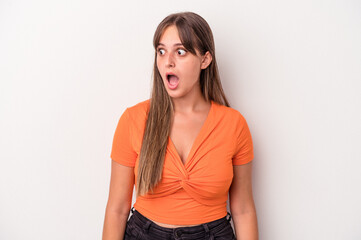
206 60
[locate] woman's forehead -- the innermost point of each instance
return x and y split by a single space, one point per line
170 35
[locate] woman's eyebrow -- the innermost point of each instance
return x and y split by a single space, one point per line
176 44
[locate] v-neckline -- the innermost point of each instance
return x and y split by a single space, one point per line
196 140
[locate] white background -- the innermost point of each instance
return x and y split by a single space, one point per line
68 69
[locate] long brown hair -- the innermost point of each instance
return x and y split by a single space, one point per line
194 33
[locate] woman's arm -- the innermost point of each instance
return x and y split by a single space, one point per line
241 203
119 201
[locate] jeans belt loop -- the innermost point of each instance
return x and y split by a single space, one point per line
147 226
230 217
208 235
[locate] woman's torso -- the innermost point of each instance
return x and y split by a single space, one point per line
184 131
196 178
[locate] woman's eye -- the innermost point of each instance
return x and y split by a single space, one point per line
161 51
181 52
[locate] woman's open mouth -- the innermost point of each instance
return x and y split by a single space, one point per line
173 80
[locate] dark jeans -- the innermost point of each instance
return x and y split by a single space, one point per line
140 227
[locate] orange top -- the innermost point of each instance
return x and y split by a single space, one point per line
195 192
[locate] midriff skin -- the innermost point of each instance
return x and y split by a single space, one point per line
172 226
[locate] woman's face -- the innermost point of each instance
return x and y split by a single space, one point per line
180 69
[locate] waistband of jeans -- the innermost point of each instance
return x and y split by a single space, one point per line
145 222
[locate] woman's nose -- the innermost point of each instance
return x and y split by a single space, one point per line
170 61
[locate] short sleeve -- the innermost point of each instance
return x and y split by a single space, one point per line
122 149
244 145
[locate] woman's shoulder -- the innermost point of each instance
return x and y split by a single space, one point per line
229 112
138 111
140 106
232 120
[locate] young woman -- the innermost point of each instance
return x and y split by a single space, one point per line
185 148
